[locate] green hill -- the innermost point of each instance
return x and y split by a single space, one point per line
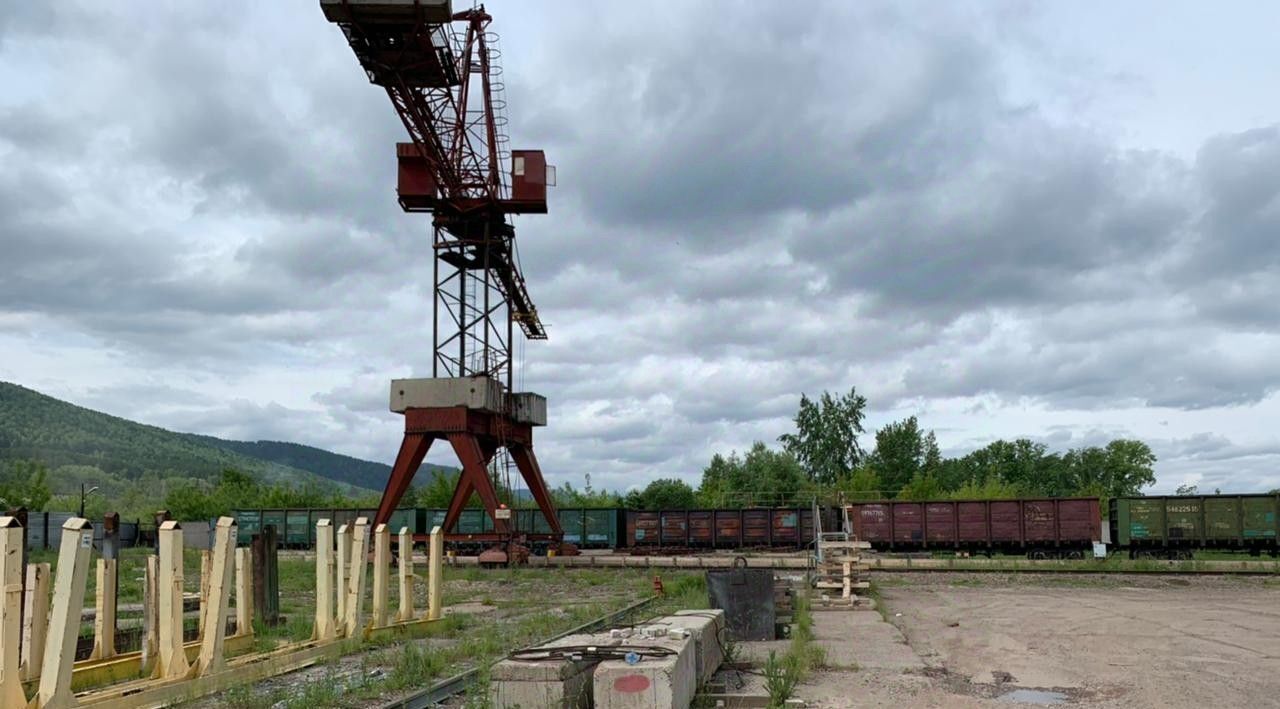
79 444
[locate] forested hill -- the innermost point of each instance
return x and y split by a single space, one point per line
334 466
59 434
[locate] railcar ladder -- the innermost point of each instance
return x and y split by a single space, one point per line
820 536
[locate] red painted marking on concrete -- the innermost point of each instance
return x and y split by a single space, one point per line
631 683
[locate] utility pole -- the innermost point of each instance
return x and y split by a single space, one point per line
83 494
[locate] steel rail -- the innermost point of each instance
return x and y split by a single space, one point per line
458 683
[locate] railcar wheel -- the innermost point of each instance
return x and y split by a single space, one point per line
1037 554
1075 554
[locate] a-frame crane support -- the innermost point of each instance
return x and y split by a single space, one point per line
475 437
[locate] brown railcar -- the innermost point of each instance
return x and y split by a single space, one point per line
1040 527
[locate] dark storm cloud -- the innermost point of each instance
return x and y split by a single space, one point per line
754 201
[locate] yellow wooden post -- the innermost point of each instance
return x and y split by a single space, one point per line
206 569
150 612
324 628
435 571
35 621
244 591
211 658
104 622
11 694
343 566
64 621
171 659
355 581
381 574
406 575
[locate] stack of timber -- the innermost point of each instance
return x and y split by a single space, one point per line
783 601
840 575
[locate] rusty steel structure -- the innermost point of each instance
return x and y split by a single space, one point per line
441 71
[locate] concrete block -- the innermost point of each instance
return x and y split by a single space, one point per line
562 684
668 681
708 630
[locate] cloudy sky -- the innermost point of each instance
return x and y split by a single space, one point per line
1051 220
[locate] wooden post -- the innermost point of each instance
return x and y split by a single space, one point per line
35 619
244 591
435 571
11 694
324 628
64 621
355 581
150 612
211 658
171 659
206 569
381 574
104 622
266 575
343 567
405 548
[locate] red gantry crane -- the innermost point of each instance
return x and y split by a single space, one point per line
441 71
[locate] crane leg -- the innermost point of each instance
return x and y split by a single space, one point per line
412 450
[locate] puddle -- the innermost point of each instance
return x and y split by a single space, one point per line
1040 697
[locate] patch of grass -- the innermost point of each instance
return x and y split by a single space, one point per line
415 666
781 677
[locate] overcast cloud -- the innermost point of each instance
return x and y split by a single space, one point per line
1011 219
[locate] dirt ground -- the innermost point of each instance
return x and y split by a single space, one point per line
969 640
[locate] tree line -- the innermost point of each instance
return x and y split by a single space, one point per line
824 459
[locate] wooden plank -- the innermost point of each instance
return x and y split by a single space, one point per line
355 581
435 572
342 568
129 666
150 612
154 694
244 591
218 599
54 691
171 661
841 584
104 621
406 575
206 569
35 619
324 628
381 575
11 548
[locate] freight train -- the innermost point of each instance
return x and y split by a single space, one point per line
1039 528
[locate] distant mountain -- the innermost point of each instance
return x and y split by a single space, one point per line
40 427
334 466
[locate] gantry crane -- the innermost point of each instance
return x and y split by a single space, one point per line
440 70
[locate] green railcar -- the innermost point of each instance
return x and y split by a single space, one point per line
603 528
295 531
248 523
1172 526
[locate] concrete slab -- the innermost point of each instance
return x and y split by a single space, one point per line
558 683
667 681
862 639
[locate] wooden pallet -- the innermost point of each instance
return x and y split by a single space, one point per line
841 570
